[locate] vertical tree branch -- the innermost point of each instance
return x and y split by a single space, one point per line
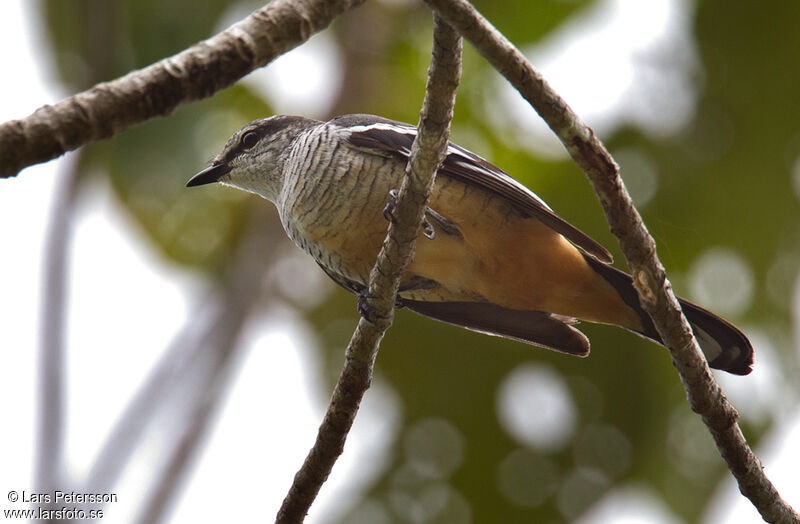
50 415
427 153
655 292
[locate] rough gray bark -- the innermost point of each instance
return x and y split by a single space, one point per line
655 291
195 73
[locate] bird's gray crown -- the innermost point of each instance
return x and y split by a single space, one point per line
274 132
254 157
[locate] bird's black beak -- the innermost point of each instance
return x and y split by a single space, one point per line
208 175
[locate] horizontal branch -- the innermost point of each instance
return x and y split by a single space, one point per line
427 152
156 90
655 292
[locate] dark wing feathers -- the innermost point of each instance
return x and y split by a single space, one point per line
390 138
350 285
723 344
533 327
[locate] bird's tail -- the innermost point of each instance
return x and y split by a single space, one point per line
723 344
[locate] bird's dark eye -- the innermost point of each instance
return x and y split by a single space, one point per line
249 139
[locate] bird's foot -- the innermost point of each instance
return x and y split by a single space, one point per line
443 224
427 225
427 228
366 310
391 203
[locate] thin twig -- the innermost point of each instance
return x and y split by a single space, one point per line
195 73
427 153
655 292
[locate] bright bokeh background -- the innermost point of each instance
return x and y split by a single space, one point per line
458 427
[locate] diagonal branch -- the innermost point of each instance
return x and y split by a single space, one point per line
156 90
655 292
427 153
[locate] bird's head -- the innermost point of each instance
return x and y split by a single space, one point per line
254 157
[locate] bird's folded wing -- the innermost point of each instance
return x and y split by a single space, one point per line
533 327
387 137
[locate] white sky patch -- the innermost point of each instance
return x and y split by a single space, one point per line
762 395
304 81
535 407
640 173
24 205
722 281
629 505
617 62
778 451
780 455
260 438
25 55
124 305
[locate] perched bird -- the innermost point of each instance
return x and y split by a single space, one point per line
493 257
